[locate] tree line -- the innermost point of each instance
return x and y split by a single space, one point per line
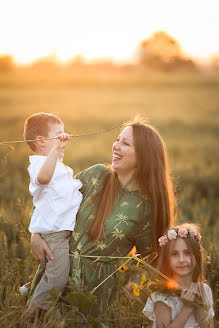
160 52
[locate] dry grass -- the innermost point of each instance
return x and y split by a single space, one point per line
185 111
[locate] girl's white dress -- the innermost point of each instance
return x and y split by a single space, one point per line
176 305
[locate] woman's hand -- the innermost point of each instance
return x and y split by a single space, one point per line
40 249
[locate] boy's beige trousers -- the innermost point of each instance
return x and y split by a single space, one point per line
57 270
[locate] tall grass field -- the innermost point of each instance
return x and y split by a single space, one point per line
184 109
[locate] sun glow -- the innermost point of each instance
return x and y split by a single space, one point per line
104 28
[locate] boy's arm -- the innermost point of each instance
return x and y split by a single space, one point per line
47 169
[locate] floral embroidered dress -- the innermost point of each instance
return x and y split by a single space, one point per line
129 224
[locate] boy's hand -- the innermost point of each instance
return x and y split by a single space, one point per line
62 140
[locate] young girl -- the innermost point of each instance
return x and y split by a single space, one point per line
181 259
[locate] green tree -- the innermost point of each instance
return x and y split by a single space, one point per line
162 52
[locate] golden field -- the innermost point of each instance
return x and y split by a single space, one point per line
184 109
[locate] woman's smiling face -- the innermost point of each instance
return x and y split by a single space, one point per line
124 155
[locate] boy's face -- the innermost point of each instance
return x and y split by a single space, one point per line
54 130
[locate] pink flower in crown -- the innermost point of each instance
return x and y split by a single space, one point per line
162 240
198 236
171 234
182 232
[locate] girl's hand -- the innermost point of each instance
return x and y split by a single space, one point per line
187 297
40 249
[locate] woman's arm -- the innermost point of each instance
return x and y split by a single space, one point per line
40 249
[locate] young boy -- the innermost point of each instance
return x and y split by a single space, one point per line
56 199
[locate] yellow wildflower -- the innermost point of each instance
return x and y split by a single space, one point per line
123 268
136 290
143 280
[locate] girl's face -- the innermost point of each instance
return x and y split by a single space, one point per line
181 259
124 156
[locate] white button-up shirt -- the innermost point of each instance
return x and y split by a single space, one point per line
56 203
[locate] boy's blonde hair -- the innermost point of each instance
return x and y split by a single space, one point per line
39 125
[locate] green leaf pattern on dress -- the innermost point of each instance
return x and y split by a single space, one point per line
129 224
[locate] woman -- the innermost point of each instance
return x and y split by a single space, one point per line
128 204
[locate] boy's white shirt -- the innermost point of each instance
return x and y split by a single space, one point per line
56 203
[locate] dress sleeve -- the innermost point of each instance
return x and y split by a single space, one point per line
148 310
208 293
143 234
92 177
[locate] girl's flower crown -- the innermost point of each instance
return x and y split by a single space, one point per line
182 232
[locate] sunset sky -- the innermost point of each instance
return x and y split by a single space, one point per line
104 28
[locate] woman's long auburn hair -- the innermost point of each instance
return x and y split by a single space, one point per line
153 178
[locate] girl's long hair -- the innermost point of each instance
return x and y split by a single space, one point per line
153 178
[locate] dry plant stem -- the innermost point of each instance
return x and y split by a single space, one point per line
154 269
95 288
72 135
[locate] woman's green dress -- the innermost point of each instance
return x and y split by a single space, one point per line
130 224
